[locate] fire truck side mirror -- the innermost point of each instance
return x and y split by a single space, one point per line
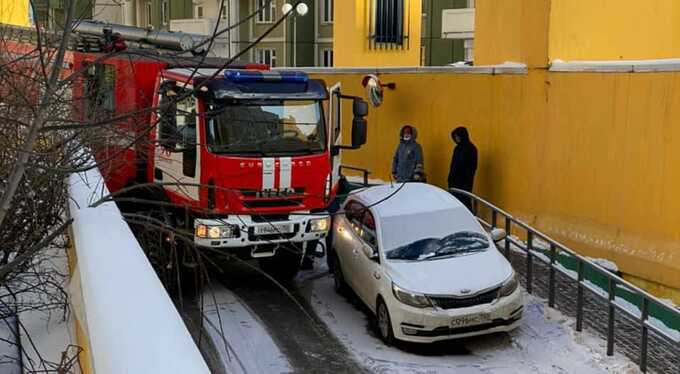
359 107
359 128
358 132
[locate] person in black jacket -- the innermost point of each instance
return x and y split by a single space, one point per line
463 164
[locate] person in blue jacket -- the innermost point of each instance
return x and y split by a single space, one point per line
408 164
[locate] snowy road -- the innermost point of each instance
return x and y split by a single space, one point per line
318 331
543 344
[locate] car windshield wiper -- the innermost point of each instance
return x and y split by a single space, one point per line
452 252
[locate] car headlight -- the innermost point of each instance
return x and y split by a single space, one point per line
509 286
216 232
410 298
319 224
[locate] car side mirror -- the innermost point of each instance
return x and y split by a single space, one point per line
371 252
498 234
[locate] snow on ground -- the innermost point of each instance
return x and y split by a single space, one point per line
246 346
544 343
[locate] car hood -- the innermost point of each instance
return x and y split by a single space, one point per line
450 276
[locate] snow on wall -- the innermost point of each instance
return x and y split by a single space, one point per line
131 323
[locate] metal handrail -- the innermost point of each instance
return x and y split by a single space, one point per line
612 279
365 172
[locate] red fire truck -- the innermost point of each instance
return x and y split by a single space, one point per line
248 157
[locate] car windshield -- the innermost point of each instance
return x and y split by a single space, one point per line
271 127
464 242
431 234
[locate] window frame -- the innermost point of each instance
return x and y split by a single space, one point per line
324 51
165 12
261 52
356 214
327 17
198 14
262 16
149 13
386 30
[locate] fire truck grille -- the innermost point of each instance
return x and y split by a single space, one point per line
448 302
278 203
286 192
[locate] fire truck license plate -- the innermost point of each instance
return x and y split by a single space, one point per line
280 228
470 320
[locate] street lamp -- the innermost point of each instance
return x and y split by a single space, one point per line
301 9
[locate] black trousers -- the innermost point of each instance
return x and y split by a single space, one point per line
466 200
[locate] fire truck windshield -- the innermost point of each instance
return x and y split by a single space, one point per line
265 128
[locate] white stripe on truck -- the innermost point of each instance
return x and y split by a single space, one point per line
286 172
268 167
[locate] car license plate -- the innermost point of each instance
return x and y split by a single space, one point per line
285 228
470 320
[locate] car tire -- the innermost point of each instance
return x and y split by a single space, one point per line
384 322
338 277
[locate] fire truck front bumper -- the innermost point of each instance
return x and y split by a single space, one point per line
237 231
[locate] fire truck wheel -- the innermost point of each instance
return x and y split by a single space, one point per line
283 266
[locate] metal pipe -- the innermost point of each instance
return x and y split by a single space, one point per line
179 41
551 283
644 337
508 227
610 326
530 261
579 297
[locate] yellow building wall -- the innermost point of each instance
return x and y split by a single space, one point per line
351 32
614 29
512 30
587 158
14 12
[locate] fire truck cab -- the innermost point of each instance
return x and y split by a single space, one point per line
251 152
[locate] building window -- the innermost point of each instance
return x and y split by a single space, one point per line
224 11
198 11
326 11
327 57
266 56
165 12
148 14
469 45
389 22
267 12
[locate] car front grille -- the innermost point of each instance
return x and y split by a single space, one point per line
451 302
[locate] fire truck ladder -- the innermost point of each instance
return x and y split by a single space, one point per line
92 36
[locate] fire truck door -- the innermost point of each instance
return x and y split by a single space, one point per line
177 156
335 120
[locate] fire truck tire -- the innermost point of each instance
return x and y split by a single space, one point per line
283 266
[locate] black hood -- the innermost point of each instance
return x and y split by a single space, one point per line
462 133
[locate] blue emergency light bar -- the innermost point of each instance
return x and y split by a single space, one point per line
245 76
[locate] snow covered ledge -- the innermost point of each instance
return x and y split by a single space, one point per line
130 324
617 66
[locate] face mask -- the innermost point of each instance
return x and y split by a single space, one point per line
406 137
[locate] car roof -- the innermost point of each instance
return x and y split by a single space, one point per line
399 199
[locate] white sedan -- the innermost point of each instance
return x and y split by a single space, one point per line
423 264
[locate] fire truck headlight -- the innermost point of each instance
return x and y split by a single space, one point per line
319 224
215 232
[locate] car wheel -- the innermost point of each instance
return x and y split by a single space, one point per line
384 322
338 277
